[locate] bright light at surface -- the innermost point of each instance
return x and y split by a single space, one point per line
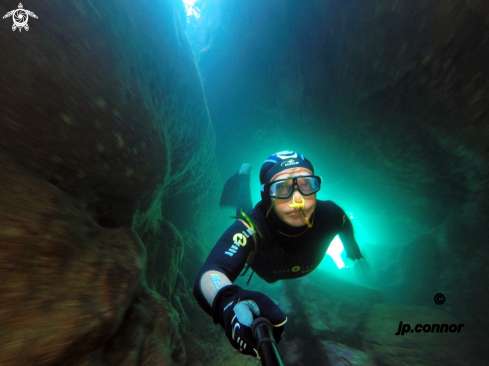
189 2
335 250
190 9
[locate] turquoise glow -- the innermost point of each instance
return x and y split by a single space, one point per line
335 250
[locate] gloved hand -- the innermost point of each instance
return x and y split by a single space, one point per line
235 309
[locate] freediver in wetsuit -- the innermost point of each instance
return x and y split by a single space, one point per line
285 236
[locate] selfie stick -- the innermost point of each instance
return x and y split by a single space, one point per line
266 346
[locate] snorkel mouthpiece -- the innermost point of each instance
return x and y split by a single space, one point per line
299 205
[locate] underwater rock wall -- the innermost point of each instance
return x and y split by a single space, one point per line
72 291
105 140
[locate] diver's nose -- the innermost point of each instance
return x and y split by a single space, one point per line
297 200
297 195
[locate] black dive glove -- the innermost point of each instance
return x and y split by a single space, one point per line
235 309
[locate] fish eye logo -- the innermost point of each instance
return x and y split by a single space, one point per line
20 17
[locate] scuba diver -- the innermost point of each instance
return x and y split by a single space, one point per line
285 236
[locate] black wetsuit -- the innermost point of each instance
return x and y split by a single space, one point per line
283 252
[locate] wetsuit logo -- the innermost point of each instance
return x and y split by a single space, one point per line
239 239
216 280
297 269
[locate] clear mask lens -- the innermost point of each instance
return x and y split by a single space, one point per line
283 188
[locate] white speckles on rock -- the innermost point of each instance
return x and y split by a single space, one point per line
56 159
120 140
67 119
100 148
100 102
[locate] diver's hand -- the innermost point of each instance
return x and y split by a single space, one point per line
235 309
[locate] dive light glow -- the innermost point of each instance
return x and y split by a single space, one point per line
335 250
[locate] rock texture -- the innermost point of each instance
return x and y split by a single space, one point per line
416 348
103 90
71 290
325 315
105 139
451 261
341 355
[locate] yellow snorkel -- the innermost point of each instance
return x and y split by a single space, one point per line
300 206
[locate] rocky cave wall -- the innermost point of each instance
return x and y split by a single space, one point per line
105 145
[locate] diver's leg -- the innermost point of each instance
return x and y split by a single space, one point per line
244 197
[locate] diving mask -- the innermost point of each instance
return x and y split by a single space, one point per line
283 188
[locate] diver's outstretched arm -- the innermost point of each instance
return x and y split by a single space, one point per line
210 284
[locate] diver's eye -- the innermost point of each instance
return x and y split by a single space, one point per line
281 188
305 185
285 186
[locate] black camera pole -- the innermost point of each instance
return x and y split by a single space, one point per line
266 346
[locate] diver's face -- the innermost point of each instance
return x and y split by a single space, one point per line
294 216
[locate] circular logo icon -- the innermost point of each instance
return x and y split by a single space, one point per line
20 18
296 269
240 239
439 299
